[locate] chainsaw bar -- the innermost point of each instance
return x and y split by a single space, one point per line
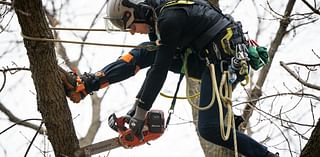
99 147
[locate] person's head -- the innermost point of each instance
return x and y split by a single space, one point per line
130 14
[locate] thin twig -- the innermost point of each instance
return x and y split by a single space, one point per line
34 137
20 122
275 117
298 78
311 7
12 71
87 33
5 3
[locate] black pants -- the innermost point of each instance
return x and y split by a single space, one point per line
208 124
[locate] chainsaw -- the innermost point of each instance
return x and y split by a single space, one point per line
153 129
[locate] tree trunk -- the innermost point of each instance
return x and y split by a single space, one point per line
311 149
51 99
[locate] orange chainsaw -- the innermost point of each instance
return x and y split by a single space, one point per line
153 129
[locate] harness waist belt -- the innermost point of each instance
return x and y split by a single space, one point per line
203 40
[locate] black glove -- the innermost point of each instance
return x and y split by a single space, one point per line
132 111
137 121
136 126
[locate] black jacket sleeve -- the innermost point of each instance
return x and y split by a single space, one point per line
170 23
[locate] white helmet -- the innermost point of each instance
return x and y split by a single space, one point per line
119 15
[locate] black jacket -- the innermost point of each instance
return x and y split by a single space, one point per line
180 26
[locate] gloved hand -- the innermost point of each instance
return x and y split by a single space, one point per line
131 112
136 123
136 126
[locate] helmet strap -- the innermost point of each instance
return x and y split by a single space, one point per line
125 18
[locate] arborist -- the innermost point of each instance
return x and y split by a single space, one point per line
174 28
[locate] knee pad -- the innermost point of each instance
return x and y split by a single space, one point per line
129 58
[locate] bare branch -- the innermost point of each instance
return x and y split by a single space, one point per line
298 78
279 118
301 24
87 34
60 49
281 32
5 3
12 71
303 64
315 54
95 121
316 11
17 120
279 94
34 137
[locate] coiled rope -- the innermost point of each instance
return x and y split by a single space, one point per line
223 99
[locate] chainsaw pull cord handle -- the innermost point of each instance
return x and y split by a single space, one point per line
174 99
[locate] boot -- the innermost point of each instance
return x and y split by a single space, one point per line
77 87
272 155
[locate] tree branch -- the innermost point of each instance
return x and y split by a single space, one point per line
12 71
17 120
5 3
298 78
311 7
84 38
281 32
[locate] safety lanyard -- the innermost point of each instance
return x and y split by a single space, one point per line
173 103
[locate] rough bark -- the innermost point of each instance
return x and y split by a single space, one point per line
51 100
311 149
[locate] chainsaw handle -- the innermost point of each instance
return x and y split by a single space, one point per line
153 128
118 124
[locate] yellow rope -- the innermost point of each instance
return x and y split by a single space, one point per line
76 29
180 97
226 98
81 42
86 29
222 99
189 98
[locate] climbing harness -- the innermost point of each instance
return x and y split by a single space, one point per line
174 3
223 99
